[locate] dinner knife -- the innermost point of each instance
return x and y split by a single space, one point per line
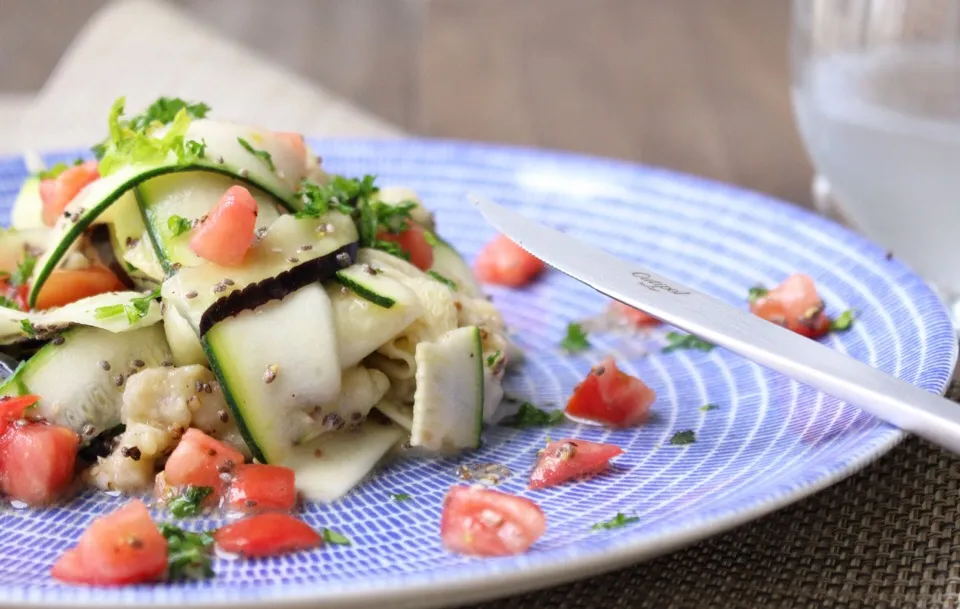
888 398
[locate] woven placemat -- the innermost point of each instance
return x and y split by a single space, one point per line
885 537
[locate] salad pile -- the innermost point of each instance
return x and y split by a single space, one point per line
207 320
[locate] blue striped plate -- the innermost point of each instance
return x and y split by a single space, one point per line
769 442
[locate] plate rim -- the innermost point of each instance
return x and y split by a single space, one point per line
473 586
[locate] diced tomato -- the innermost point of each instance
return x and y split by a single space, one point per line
13 408
37 462
228 232
414 242
123 547
564 460
262 488
610 396
198 460
795 305
64 286
631 316
56 193
485 522
504 262
295 141
267 535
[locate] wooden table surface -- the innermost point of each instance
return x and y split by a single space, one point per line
696 85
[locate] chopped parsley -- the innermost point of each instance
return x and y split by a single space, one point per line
197 149
843 322
617 522
529 415
431 239
677 341
188 553
24 271
27 327
708 407
756 293
177 225
444 280
136 140
355 198
136 310
575 340
188 503
493 358
263 155
335 538
400 497
8 303
682 438
54 172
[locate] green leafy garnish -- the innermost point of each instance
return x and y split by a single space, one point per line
400 497
136 310
575 340
684 437
843 322
677 341
617 522
263 155
444 280
493 358
188 503
529 415
197 149
757 292
355 198
431 239
136 140
27 327
335 538
177 225
188 553
708 407
7 303
24 271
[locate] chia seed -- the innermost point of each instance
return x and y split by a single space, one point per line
306 247
131 452
227 281
132 242
58 340
135 543
191 294
244 172
138 363
343 259
118 380
250 503
176 266
224 416
167 363
334 421
270 374
293 260
219 288
88 429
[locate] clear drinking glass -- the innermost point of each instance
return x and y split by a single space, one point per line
876 90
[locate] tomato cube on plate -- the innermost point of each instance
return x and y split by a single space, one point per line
56 193
262 488
123 547
413 241
571 459
486 522
796 305
267 535
64 286
198 460
228 231
503 262
611 397
37 462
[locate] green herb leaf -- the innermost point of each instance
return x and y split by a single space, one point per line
188 554
53 172
431 238
177 225
24 271
263 155
107 311
529 415
188 503
27 327
575 340
335 538
677 341
196 149
135 311
8 303
400 497
136 141
756 292
682 438
444 280
161 112
617 522
708 407
843 322
493 358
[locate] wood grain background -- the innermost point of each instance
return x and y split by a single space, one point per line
696 85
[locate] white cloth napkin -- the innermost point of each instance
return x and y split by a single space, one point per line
144 49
